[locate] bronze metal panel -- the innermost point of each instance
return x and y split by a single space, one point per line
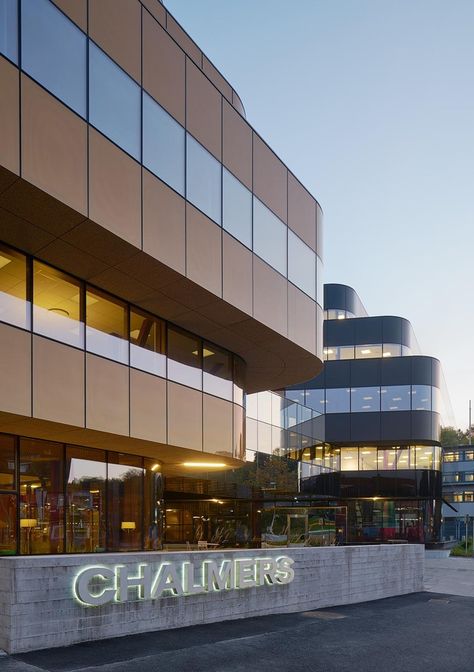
156 8
216 78
15 367
183 39
76 10
217 426
203 110
270 297
237 145
269 178
9 116
184 416
147 406
237 276
107 395
203 251
301 319
301 212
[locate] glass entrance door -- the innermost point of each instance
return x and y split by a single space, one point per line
297 529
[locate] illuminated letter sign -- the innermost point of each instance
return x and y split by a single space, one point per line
99 585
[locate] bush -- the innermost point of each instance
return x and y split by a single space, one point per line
459 551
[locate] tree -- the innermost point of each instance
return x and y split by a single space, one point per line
450 436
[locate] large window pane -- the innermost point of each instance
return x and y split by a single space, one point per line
163 144
368 351
338 400
9 29
41 497
57 305
269 237
184 358
395 398
147 343
339 352
106 332
315 399
86 476
349 459
153 505
237 208
203 179
387 459
319 281
54 52
7 463
125 502
365 399
421 398
301 265
368 458
114 102
8 513
14 308
424 457
217 372
392 350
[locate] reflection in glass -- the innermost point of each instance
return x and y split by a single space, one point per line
339 352
147 343
237 209
163 144
106 326
387 459
7 463
57 305
41 497
269 237
315 399
239 378
349 459
217 372
436 400
86 474
8 524
420 398
365 399
184 358
319 281
54 52
301 265
125 502
392 350
153 505
114 102
203 179
424 457
265 407
395 398
368 351
9 29
338 400
14 308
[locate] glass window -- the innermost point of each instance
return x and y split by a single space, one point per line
106 326
251 406
57 305
338 400
203 179
420 398
265 407
349 459
451 456
436 399
217 371
469 477
147 343
9 29
237 209
7 463
54 52
114 102
14 308
424 457
269 237
392 350
368 351
437 458
163 144
86 477
153 505
365 399
336 314
339 352
406 458
8 513
368 458
319 281
457 497
301 265
184 358
124 502
387 459
41 497
468 455
395 398
469 496
239 378
316 399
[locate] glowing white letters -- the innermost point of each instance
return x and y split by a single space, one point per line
95 586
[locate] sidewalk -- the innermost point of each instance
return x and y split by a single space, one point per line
454 576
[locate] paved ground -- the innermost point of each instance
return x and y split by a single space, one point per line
454 576
421 632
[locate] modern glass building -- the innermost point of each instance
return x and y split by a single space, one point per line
158 262
380 401
458 492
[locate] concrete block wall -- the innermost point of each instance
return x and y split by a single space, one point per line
38 608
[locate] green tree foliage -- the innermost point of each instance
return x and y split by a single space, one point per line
450 436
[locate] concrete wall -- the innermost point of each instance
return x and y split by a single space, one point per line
39 610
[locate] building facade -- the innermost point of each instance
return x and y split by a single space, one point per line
158 261
380 404
458 492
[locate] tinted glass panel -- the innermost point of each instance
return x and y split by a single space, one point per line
365 399
217 372
392 350
106 331
152 504
319 281
7 463
9 29
8 512
184 358
349 459
269 237
57 305
203 179
338 400
368 458
114 102
301 265
41 497
368 351
424 457
315 399
421 398
14 307
395 398
86 474
339 352
54 52
237 206
163 144
147 343
125 502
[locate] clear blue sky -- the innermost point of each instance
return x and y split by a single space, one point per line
371 104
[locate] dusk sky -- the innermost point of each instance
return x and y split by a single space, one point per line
371 105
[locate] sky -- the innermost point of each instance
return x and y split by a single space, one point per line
371 104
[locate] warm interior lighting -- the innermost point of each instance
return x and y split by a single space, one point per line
59 311
28 522
205 465
128 525
365 452
207 353
341 317
155 467
4 261
94 492
387 354
366 351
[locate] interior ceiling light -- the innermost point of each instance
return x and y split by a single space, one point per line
387 354
59 311
366 351
4 261
155 467
205 465
207 353
341 317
